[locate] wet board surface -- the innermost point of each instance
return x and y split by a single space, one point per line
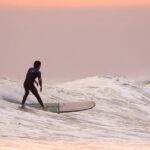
66 106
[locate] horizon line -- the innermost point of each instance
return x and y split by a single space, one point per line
72 7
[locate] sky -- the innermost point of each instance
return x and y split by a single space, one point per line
73 3
75 40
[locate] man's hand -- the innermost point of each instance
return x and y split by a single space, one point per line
40 89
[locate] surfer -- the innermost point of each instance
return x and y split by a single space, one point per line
31 76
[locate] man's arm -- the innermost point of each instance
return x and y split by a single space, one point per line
40 83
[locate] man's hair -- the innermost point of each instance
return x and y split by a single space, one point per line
37 64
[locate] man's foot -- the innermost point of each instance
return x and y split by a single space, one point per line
22 107
44 108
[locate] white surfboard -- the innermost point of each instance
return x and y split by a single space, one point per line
65 107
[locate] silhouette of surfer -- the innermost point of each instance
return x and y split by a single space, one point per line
31 76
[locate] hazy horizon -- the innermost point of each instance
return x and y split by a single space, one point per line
75 43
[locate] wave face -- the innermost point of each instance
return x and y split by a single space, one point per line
122 110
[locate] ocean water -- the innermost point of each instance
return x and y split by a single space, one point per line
122 110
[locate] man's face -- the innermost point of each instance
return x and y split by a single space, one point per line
39 67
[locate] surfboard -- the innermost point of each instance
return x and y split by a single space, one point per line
66 107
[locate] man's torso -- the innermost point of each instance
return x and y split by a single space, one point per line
32 74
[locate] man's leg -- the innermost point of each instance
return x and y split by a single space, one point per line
36 94
25 96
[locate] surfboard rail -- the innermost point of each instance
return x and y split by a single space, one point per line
66 107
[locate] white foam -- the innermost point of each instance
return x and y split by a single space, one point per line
122 110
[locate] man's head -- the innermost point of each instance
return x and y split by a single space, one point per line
37 64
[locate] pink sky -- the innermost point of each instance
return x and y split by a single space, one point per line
73 3
75 43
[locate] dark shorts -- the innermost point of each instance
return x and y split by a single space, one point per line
32 88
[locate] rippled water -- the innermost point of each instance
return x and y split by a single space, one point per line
122 110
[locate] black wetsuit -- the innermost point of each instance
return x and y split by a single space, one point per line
32 74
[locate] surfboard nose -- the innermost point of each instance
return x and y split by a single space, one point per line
76 106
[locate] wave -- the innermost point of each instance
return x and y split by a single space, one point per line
122 110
